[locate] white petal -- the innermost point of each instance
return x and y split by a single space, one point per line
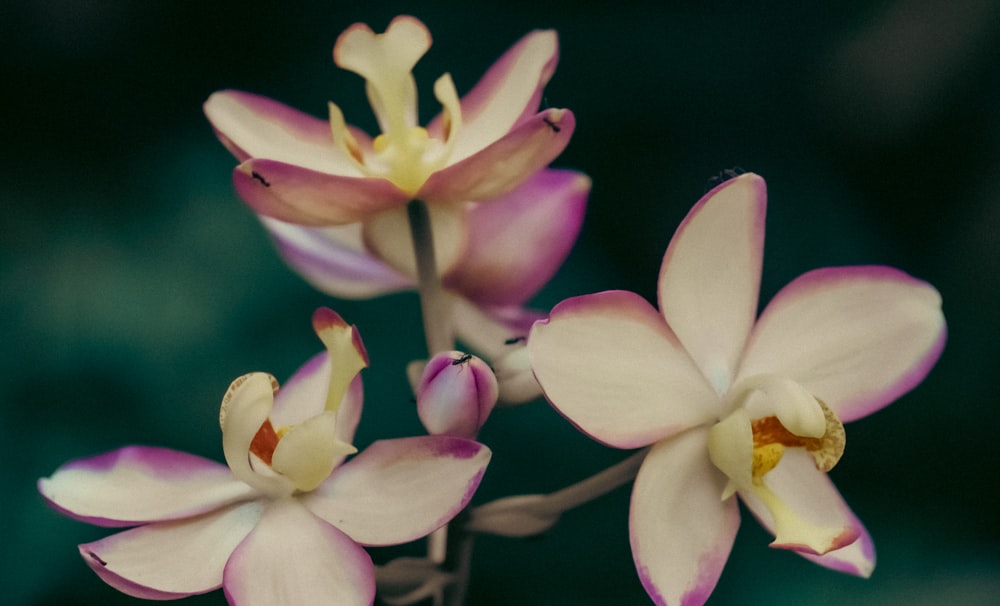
293 557
609 363
399 490
139 484
681 530
169 560
252 126
509 90
855 337
710 278
811 516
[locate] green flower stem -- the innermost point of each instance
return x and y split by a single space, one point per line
436 311
434 303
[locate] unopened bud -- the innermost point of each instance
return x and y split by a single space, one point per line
456 394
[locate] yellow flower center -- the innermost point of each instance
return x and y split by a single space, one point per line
748 449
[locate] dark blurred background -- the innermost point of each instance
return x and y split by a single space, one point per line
134 286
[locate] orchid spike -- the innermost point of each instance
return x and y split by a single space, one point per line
733 404
303 170
286 492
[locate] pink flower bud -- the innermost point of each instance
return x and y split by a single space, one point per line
456 394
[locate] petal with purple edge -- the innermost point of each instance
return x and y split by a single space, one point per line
609 363
307 197
710 277
252 126
334 261
856 559
509 92
812 508
169 560
293 557
139 484
855 337
400 490
518 241
504 164
681 531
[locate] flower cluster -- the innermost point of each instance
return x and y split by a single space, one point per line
722 404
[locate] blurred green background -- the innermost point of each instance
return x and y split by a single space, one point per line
134 286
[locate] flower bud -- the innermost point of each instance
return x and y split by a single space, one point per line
456 394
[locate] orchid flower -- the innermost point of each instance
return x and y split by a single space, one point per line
493 258
303 170
285 522
732 405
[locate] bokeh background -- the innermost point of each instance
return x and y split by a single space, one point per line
134 286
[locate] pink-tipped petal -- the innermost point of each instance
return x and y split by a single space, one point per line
251 126
507 94
518 241
504 164
609 363
139 484
680 529
169 560
710 277
303 196
857 559
334 261
855 337
399 490
293 557
815 502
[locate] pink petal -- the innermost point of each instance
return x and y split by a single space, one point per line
812 496
609 363
169 560
507 94
333 260
518 241
504 164
855 337
399 490
856 559
293 557
304 196
139 484
680 529
251 126
710 278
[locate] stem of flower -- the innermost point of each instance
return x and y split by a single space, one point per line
434 304
435 309
527 515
